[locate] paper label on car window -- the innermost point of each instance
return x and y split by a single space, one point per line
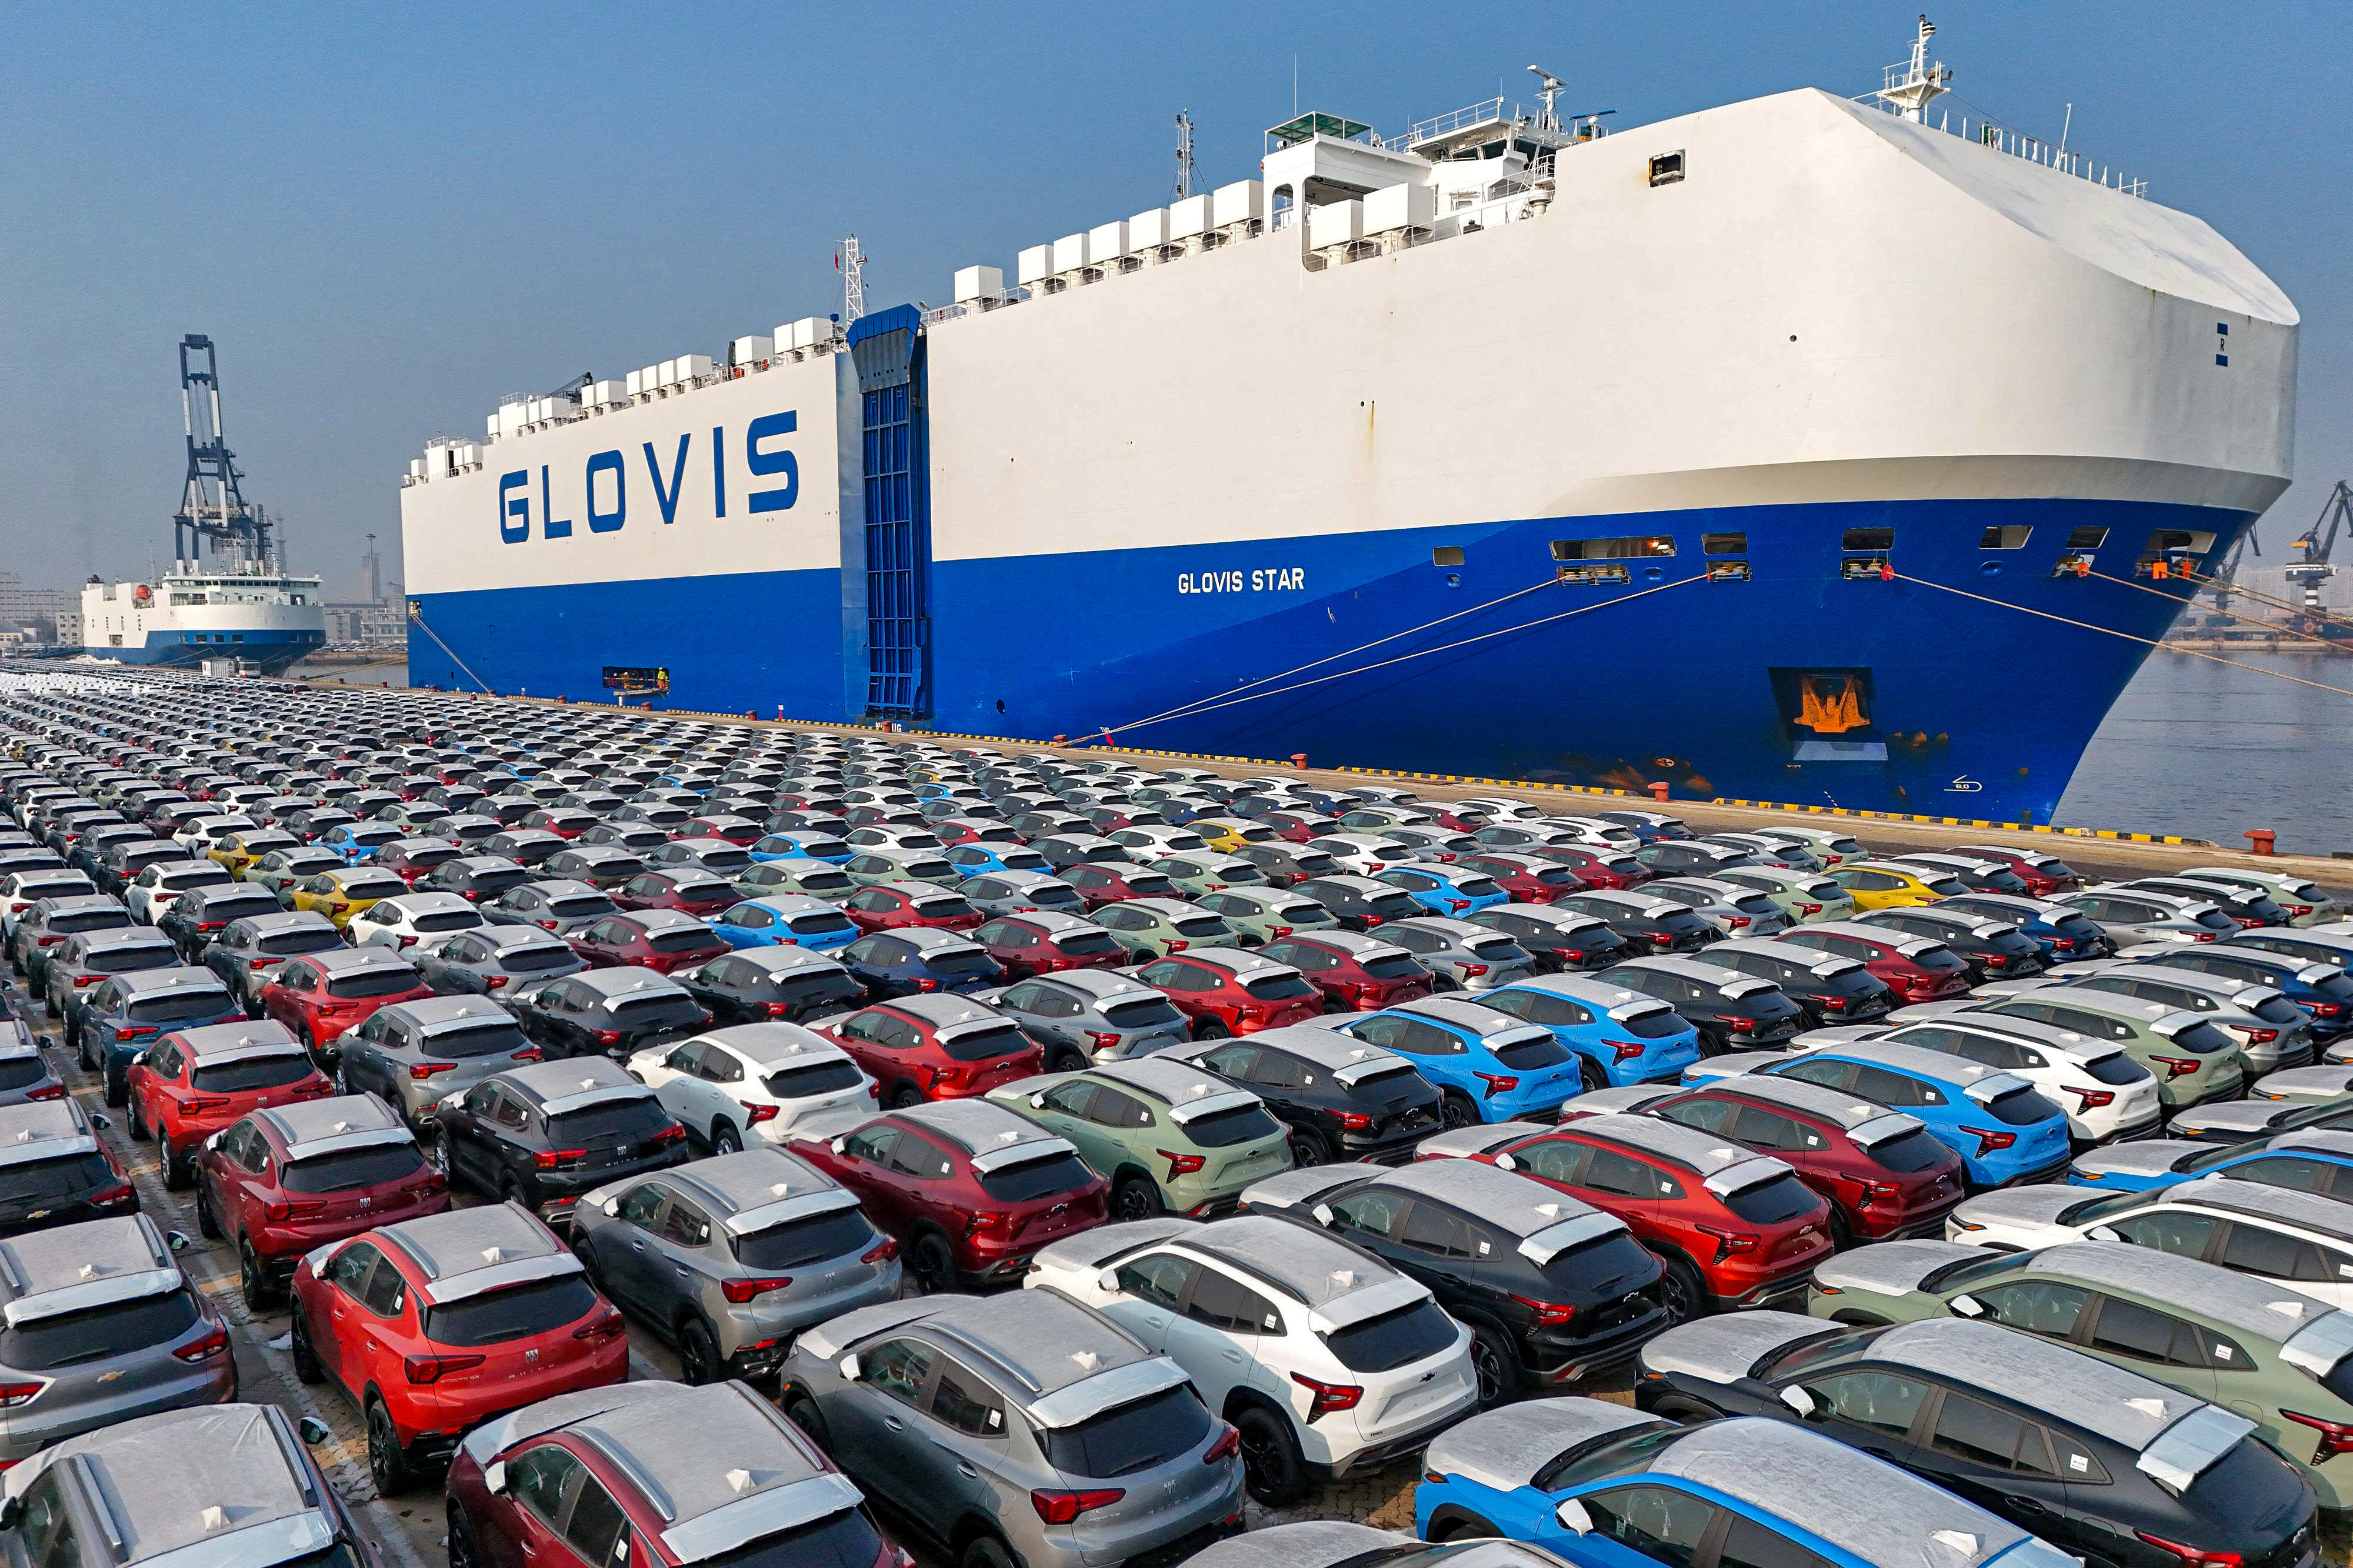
2075 1462
1484 1248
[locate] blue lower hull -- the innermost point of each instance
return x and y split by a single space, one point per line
1963 707
273 651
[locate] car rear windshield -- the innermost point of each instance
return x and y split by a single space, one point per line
1278 987
1916 1150
1394 1339
72 1338
843 1539
1086 943
1936 959
1393 906
1222 1129
252 1073
130 960
665 1011
195 1001
799 1243
380 885
58 1178
615 1121
492 1036
1537 1051
372 1166
517 1313
1202 926
1057 1172
960 961
1611 1263
1784 1197
820 924
292 944
678 938
367 982
2021 1108
1129 1438
727 862
980 1045
2115 1068
815 1078
72 920
447 920
1392 966
579 906
2202 1038
1142 1012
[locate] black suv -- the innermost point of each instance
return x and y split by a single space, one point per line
1342 1098
607 1013
761 984
1360 903
1560 941
1832 990
543 1134
1733 1011
1994 949
196 918
248 947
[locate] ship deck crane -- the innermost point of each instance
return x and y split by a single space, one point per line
2312 568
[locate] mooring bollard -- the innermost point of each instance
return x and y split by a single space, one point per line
1659 791
2261 839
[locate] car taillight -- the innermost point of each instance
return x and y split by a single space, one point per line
14 1394
528 1053
1548 1314
2201 936
755 1114
1353 1120
2326 1009
1369 992
673 1133
1276 933
210 1343
2093 1099
558 1159
605 1325
48 1091
882 1251
132 1031
1869 1193
1229 1444
1742 1026
977 1222
1728 1242
2177 1066
52 940
2194 1555
107 1197
1806 909
742 1290
424 1369
1177 945
1182 1164
609 1036
427 1069
927 984
1101 1042
210 925
1064 1508
1626 1049
197 1104
2335 1437
1328 1397
279 1213
1989 1140
1497 1083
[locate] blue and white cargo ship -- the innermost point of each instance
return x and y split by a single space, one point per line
230 609
1805 448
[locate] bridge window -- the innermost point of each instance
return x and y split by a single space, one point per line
1446 555
1870 539
1667 168
1627 547
1723 544
2006 536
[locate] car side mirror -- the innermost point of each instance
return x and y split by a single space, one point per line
1108 1280
1037 1101
1571 1516
215 1141
2102 1233
849 1365
1322 1213
1799 1401
101 1119
314 1431
177 1240
494 1474
1505 1163
1967 1307
612 1207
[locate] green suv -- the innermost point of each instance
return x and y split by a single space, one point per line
1169 1137
2192 1060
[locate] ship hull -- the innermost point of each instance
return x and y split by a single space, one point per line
273 651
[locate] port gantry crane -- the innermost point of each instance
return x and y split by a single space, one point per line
2311 567
213 509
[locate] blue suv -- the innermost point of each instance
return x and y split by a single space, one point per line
2318 1161
1488 1065
2003 1129
1623 1037
1445 889
915 960
787 919
124 1013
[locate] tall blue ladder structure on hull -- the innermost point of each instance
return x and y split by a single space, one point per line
887 348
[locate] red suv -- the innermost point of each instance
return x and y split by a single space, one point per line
2045 876
411 858
1101 882
283 1181
969 1189
1917 968
1227 991
740 831
565 822
189 1085
1600 869
1885 1175
1043 943
892 906
935 1048
682 888
318 995
1528 878
664 941
1299 827
1355 973
1733 1228
434 1325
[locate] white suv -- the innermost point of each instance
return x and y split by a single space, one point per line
2106 1093
1326 1359
151 891
732 1087
416 922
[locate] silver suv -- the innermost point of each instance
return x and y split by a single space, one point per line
728 1257
1021 1427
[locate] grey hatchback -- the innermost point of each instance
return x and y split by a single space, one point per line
415 1054
1022 1428
728 1257
101 1326
1102 1014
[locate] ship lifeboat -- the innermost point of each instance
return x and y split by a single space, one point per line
142 595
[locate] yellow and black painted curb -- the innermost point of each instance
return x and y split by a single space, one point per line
1968 822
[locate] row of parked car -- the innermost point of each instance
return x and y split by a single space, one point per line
1339 1174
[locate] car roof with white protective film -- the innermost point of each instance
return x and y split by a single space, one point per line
1545 1221
991 1134
466 1252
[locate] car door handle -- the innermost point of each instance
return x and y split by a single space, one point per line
637 1247
1232 1355
964 1469
894 1423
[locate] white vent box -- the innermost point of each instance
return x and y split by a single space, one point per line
978 283
1145 230
1034 265
1106 242
1071 253
1237 203
1395 208
1334 223
1189 217
750 350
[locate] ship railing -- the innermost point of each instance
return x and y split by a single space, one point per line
2001 139
976 306
1479 113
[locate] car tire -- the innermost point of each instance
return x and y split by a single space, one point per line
388 1464
253 1279
724 1139
463 1551
986 1551
1211 1029
933 1263
1590 1076
511 1189
1444 983
1455 1110
1070 1058
342 1083
1683 1289
206 1225
118 1093
138 1129
803 1413
1457 1526
1494 1365
1710 1045
1309 1147
906 1096
178 1164
699 1360
306 1362
1273 1470
1136 1197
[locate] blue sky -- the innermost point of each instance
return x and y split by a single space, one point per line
389 218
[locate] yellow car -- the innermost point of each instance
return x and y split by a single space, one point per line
1229 834
344 892
239 850
1884 885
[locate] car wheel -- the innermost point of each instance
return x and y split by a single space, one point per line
903 1096
699 1360
803 1413
1068 1059
118 1093
387 1460
1444 982
77 1045
1590 1076
437 1154
463 1553
253 1280
178 1164
1462 1526
1682 1291
1135 1198
985 1551
306 1363
1273 1470
1494 1363
1457 1110
206 1225
1211 1029
1841 1232
1309 1147
138 1129
342 1084
724 1139
1710 1044
933 1262
511 1189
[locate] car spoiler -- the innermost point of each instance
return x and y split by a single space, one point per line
1211 1105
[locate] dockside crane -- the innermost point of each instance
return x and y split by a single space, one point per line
213 508
2311 567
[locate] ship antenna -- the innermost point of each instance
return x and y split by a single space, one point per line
853 282
1183 155
1551 91
1910 85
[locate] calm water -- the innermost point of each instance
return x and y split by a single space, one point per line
2193 747
2206 749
